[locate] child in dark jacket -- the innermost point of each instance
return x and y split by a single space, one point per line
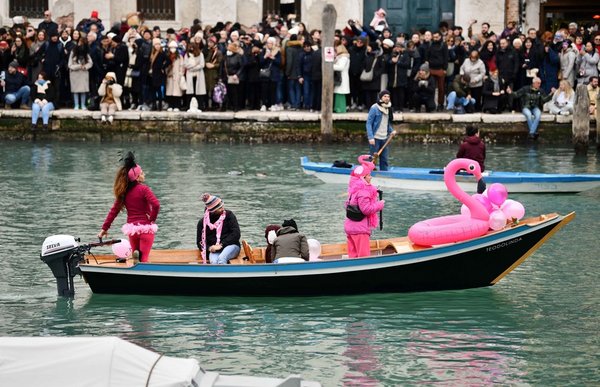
472 147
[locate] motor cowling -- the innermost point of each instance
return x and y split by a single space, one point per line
61 253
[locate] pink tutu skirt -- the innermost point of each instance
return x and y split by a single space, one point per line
130 229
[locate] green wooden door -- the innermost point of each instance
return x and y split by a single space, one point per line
411 15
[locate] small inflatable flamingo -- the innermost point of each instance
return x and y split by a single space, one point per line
454 228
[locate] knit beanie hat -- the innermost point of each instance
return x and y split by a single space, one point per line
382 93
212 202
365 168
14 64
290 223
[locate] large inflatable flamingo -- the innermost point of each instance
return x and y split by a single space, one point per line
454 228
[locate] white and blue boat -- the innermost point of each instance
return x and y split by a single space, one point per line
432 179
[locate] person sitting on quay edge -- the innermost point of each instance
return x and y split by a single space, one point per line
563 99
532 99
495 93
424 90
460 99
289 242
15 87
379 127
472 147
218 232
44 95
110 91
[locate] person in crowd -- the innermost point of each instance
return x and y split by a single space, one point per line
488 55
20 53
341 64
143 63
43 96
380 127
532 99
587 63
252 69
363 194
472 147
306 71
5 56
317 73
194 75
80 63
159 62
16 87
550 67
495 93
567 56
358 55
131 87
399 72
96 72
175 78
64 88
37 50
289 242
110 92
436 55
507 62
375 64
423 90
48 24
593 89
562 100
531 61
53 58
218 232
460 99
141 205
120 58
475 69
233 65
270 58
293 70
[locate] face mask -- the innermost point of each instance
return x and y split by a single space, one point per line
173 49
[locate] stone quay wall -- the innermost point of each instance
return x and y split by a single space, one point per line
276 127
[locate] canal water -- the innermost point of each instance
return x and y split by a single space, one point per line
539 326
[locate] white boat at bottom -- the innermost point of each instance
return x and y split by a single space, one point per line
110 361
432 179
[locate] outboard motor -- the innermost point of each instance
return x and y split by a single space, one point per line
62 254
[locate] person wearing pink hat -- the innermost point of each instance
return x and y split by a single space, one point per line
218 232
363 195
141 205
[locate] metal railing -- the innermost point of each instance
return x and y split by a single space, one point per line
28 8
157 9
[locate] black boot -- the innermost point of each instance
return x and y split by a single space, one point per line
33 127
159 105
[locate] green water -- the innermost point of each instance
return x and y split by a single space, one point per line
539 326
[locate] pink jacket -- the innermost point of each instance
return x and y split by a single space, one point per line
365 195
141 205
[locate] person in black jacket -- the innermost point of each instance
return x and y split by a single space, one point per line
54 57
44 98
507 62
306 70
317 78
437 57
47 24
424 90
399 68
495 93
159 61
218 232
358 55
15 87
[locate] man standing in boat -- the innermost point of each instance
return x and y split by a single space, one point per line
379 128
218 232
472 147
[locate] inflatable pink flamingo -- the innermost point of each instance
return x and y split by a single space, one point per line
454 228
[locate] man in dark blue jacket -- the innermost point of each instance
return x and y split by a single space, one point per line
15 87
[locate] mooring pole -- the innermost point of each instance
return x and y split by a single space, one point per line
581 120
328 54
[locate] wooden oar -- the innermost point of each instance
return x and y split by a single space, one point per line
376 155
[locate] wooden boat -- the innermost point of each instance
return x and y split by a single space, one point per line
430 179
395 265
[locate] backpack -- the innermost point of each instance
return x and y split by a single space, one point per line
219 92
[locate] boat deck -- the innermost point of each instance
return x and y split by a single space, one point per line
249 255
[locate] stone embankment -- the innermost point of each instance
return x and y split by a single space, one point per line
273 127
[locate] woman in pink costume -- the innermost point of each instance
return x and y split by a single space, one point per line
141 205
363 194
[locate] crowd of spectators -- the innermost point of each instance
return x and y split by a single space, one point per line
276 64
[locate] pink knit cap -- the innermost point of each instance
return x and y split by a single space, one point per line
212 202
365 168
134 173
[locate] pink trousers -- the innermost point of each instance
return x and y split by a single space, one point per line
358 245
142 242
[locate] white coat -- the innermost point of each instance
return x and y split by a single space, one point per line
342 64
174 75
194 67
